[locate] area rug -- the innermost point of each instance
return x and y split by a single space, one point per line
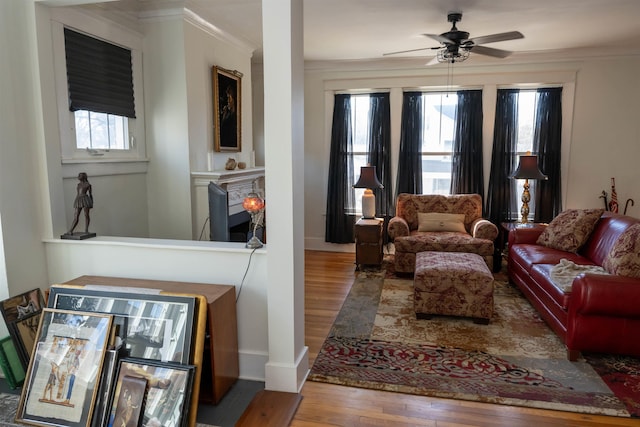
9 405
376 342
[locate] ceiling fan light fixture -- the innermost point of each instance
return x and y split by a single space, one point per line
450 56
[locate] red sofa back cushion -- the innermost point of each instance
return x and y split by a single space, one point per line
603 237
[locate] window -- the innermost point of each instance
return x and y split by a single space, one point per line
360 149
526 123
98 123
438 132
101 131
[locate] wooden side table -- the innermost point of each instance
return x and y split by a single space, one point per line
368 235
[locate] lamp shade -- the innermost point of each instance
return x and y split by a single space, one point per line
253 203
368 178
528 168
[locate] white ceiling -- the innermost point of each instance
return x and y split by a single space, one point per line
365 29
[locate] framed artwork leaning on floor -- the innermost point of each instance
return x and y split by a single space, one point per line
165 398
61 382
21 313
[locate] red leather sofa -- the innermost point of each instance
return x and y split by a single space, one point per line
600 313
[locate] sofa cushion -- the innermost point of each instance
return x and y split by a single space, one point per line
434 221
541 275
570 229
624 257
444 241
528 255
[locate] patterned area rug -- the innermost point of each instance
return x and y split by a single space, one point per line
376 342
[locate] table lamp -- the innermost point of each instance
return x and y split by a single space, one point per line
368 180
527 169
254 204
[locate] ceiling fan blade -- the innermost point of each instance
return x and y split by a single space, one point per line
489 51
439 38
433 61
410 50
492 38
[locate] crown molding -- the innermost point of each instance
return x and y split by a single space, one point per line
206 26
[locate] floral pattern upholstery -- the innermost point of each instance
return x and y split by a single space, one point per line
624 257
570 229
453 284
408 241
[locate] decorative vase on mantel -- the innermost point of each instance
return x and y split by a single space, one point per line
231 164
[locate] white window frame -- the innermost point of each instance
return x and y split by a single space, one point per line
126 38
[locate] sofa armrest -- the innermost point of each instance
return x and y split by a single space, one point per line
605 295
484 229
398 227
527 235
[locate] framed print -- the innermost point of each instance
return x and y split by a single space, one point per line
159 326
165 401
61 383
227 115
21 313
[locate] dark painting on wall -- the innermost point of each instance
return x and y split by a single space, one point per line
226 109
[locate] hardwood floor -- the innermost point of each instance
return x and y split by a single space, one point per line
328 279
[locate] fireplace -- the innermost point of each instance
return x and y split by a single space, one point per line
229 221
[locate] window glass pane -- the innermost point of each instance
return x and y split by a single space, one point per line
99 131
436 174
526 116
439 121
83 129
526 122
118 139
360 123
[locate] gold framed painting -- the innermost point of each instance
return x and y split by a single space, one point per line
64 370
227 114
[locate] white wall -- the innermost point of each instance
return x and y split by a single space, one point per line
600 134
23 183
174 260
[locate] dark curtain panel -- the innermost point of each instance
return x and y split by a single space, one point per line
99 75
501 203
409 177
547 143
380 150
339 225
467 175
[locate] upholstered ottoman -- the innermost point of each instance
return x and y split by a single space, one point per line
452 284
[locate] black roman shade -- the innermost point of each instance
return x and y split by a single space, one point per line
99 75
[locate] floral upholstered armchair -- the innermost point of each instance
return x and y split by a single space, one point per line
433 222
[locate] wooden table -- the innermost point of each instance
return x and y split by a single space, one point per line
368 236
220 366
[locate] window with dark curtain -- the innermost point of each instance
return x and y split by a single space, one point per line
547 142
339 224
380 150
501 203
409 176
467 175
99 75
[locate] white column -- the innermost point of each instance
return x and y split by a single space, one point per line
282 27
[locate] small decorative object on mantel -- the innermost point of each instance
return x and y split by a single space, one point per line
83 202
242 165
231 164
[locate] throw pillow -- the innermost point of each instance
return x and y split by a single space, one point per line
441 222
570 229
624 257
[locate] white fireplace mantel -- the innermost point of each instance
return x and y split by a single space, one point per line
238 183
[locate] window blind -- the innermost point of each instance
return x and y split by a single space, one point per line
99 75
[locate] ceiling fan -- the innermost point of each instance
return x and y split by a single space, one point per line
456 44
